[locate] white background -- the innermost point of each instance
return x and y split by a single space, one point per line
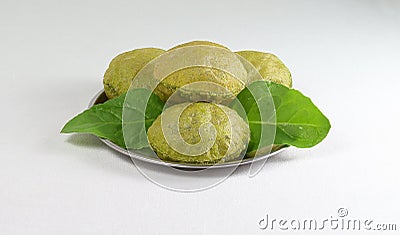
343 54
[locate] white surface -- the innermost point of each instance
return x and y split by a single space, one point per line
343 54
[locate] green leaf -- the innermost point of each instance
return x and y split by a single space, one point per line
141 108
105 120
255 104
297 122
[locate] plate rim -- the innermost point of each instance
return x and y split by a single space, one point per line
159 162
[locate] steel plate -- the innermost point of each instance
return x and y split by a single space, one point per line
101 97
